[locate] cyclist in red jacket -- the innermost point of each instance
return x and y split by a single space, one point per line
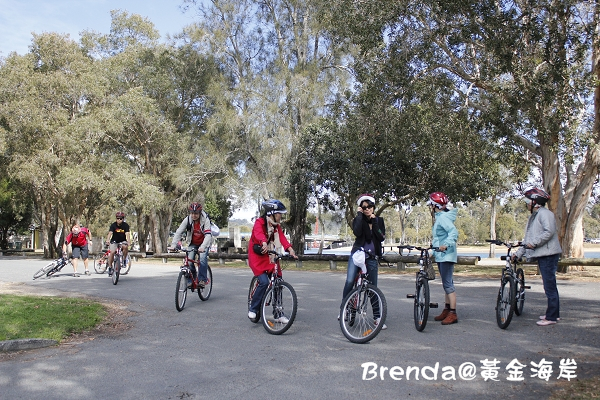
79 239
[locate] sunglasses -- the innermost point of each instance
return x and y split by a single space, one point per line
119 218
367 207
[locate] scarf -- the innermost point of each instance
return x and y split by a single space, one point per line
274 242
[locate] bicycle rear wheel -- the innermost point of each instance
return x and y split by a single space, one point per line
127 266
204 292
45 270
251 291
100 263
181 291
505 303
116 269
520 292
278 308
361 307
421 312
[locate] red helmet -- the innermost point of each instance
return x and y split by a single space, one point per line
120 214
538 196
195 207
438 199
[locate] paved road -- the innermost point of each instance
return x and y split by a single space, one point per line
211 350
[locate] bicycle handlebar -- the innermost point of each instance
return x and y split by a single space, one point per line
501 243
280 255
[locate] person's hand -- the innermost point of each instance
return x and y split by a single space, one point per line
293 253
529 246
264 248
359 209
443 248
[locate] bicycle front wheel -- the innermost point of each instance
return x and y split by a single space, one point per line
45 270
505 303
127 266
520 291
360 310
278 308
421 303
181 291
251 291
116 270
204 292
100 263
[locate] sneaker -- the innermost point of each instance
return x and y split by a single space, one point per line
203 284
452 318
338 317
377 321
75 274
110 272
87 272
545 322
544 317
283 319
251 314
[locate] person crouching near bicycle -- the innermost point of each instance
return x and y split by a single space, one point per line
267 234
445 235
79 238
118 232
197 226
370 233
542 244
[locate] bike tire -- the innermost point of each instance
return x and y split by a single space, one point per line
359 304
58 267
181 291
100 263
125 269
116 270
520 291
421 311
204 293
251 290
44 270
280 298
505 304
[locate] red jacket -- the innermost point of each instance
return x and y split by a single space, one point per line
260 263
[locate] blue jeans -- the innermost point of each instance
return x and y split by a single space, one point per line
263 283
548 266
372 271
203 257
446 271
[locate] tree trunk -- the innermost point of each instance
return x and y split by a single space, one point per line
493 214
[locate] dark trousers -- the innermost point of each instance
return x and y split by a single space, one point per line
548 266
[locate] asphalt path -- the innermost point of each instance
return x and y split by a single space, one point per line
211 350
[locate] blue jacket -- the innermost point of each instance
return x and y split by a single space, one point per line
444 233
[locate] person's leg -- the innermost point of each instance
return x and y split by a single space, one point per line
548 266
350 278
203 266
75 258
191 254
85 256
373 272
111 256
263 283
125 249
449 312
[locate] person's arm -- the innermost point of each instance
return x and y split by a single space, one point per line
378 228
182 228
206 243
259 234
284 242
357 224
64 246
548 224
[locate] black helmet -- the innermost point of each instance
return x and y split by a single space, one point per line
273 206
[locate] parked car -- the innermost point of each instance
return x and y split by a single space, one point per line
595 241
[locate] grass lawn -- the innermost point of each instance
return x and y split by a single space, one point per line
46 317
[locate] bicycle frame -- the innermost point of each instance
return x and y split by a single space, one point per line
421 295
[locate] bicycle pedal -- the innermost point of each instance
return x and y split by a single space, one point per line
433 305
410 296
527 287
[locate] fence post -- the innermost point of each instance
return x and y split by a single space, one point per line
332 264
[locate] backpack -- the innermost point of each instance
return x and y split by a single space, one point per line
214 229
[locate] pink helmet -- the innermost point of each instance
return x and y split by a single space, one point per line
537 196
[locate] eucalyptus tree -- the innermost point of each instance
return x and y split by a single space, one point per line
46 100
283 70
156 151
527 70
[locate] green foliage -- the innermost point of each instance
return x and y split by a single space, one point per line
46 317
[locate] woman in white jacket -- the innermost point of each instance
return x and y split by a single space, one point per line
541 244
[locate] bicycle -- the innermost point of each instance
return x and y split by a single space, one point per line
118 259
280 296
422 295
101 261
511 296
185 274
52 268
363 311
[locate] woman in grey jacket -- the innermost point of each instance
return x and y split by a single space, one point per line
541 244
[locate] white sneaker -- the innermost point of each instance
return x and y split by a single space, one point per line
251 314
283 319
544 317
377 321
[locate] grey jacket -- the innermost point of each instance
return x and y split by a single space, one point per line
186 225
541 233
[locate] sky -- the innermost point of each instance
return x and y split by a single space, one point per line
18 18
